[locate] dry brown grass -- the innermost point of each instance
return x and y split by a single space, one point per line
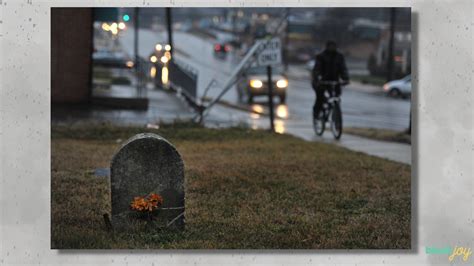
380 134
244 189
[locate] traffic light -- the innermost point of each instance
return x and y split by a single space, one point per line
126 17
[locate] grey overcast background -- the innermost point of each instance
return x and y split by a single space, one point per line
443 193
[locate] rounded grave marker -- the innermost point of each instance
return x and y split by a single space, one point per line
147 163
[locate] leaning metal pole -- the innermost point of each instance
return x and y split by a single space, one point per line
249 58
391 44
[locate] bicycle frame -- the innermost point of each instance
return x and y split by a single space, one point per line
331 111
331 99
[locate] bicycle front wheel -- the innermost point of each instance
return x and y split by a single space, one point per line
336 121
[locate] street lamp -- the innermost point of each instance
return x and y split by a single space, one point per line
114 28
105 26
121 26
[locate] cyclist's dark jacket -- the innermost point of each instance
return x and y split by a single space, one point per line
329 66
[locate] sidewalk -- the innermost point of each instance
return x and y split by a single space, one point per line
397 152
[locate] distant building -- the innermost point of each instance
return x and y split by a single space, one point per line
401 54
367 29
302 39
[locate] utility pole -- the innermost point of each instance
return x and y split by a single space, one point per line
135 50
409 125
390 44
270 98
169 24
287 37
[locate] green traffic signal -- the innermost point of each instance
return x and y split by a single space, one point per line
126 17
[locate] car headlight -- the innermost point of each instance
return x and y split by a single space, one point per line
385 87
282 83
255 83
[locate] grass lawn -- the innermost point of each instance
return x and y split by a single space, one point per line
245 189
380 134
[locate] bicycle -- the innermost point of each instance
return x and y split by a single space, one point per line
330 112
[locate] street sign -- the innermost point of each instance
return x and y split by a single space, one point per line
271 54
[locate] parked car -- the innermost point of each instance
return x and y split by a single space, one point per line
221 49
399 87
254 82
111 59
310 65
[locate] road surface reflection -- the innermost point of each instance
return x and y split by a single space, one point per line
260 117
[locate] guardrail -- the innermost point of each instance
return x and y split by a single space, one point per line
181 77
184 78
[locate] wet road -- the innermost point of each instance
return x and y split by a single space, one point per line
360 108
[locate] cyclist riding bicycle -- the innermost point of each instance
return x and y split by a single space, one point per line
329 65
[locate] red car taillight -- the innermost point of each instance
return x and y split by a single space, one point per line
217 47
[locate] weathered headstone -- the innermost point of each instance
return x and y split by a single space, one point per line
148 163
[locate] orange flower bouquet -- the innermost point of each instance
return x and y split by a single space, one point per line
147 206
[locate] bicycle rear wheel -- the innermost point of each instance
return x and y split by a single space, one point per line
319 124
336 121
